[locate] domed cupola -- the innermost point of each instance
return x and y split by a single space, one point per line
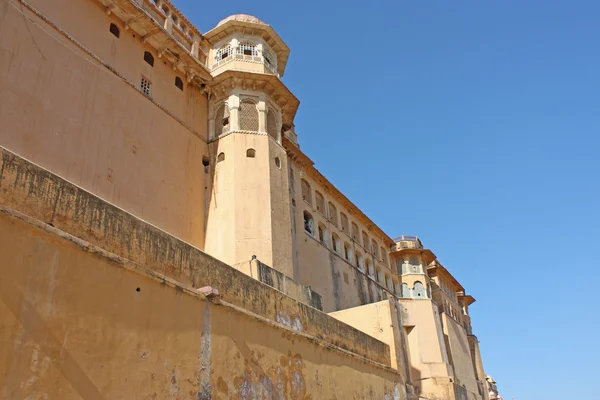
245 43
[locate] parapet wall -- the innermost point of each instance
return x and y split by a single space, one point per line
42 195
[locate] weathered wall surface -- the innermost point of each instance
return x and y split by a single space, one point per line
65 111
79 323
460 353
46 197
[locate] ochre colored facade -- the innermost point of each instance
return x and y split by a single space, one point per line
163 235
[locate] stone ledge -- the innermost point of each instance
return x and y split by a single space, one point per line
35 192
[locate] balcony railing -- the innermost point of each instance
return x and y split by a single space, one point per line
408 242
172 20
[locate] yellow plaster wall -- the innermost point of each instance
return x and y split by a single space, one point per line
36 192
459 350
80 323
64 111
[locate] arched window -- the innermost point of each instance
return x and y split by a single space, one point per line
365 239
419 291
333 214
149 58
336 243
375 249
389 284
360 263
347 252
306 192
179 83
380 277
221 120
220 157
405 293
384 256
247 49
308 223
250 153
224 52
272 124
319 202
344 221
114 30
322 234
248 115
354 232
370 269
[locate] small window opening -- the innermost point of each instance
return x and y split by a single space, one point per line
308 223
250 153
277 162
179 83
221 157
205 161
149 58
145 86
115 30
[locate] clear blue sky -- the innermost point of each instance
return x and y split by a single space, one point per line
476 126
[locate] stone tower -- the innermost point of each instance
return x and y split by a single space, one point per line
250 110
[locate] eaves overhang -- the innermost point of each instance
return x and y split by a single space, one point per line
439 268
427 254
270 84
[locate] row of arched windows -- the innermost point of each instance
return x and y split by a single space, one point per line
416 292
364 264
247 118
331 213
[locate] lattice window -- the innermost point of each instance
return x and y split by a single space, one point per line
306 195
145 86
221 120
270 61
320 202
247 49
344 221
333 214
272 124
248 116
223 53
